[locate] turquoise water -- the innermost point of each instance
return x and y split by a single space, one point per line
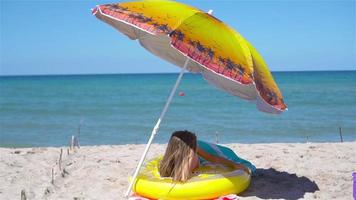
120 109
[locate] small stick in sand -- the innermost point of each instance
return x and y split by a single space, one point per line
23 194
68 152
76 142
340 132
52 181
60 160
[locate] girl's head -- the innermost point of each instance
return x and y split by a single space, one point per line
176 162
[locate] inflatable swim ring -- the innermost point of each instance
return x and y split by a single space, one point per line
208 182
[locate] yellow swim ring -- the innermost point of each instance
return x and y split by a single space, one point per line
208 182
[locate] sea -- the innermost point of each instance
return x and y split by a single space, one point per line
123 109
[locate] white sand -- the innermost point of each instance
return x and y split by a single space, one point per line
285 171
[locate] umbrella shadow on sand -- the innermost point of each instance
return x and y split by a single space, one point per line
273 184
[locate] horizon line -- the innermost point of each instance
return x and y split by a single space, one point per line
142 73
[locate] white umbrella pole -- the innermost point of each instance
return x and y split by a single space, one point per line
156 127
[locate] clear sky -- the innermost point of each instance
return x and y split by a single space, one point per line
62 37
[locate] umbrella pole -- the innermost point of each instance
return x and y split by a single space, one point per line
156 127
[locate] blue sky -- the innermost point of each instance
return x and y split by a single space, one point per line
62 37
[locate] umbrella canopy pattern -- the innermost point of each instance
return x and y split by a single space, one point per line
175 31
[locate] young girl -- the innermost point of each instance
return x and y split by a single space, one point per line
182 157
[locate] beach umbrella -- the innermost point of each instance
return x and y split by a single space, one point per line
197 42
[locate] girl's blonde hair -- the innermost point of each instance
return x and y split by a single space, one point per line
177 158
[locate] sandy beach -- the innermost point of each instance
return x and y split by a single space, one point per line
285 171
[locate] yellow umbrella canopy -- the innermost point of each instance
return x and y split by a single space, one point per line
175 32
199 42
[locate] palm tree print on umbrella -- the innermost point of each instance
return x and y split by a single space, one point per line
136 18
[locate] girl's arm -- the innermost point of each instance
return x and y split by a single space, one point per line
216 159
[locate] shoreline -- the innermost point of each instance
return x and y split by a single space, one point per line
284 170
222 143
